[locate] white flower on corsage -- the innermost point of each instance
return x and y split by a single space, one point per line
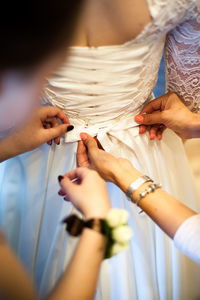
122 234
117 247
117 217
117 231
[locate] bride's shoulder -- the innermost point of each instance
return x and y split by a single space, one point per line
176 6
172 12
172 4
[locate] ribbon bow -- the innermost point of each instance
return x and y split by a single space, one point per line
75 226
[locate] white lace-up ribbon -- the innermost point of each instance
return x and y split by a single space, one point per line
100 130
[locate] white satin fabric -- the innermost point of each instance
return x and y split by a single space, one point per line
101 89
187 237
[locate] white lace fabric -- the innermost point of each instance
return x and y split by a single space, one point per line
105 84
182 57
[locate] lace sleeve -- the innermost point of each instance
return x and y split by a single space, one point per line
182 60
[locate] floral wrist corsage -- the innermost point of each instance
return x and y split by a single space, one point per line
117 231
114 227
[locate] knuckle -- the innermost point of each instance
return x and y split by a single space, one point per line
164 115
172 95
147 118
90 143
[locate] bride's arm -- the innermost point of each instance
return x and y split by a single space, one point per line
182 60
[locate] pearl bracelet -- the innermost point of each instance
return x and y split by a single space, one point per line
150 189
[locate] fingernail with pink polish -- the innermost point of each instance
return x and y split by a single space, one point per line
83 136
139 118
159 137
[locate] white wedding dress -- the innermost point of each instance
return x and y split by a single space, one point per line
101 89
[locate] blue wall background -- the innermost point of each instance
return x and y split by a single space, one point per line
160 86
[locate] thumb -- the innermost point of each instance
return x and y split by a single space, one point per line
54 132
89 142
68 186
149 119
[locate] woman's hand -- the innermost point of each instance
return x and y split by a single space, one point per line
50 122
87 191
43 127
117 170
91 156
51 119
168 111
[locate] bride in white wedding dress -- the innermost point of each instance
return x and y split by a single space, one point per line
109 75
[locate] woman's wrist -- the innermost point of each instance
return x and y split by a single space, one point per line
136 194
97 213
113 227
7 148
125 174
11 146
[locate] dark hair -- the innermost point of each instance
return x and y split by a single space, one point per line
34 29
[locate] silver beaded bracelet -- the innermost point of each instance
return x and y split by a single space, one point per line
150 189
136 184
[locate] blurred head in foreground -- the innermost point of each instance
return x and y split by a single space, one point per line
34 36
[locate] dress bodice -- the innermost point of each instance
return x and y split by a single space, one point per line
106 82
